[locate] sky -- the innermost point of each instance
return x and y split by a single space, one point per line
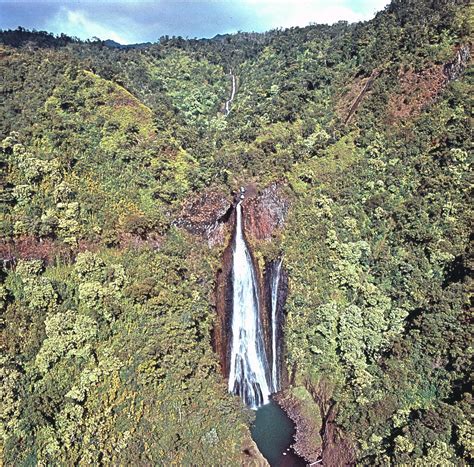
134 21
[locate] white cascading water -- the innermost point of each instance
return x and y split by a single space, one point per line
232 94
248 365
275 285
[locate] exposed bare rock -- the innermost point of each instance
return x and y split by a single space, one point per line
318 438
205 214
454 69
210 213
251 456
337 449
264 212
308 443
222 331
152 240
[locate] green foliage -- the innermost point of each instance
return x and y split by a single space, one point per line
108 356
113 371
376 306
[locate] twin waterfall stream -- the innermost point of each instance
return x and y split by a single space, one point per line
251 376
274 304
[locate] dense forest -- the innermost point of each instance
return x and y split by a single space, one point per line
108 302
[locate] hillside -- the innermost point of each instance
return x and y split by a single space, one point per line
119 170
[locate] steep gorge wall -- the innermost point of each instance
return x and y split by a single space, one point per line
268 276
211 215
263 214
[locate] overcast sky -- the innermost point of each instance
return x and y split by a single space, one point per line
131 21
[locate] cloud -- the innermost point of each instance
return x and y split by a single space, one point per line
282 13
80 24
141 21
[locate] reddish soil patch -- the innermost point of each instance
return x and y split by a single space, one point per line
32 248
49 250
417 90
123 100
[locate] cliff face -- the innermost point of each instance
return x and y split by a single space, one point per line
270 271
263 214
454 69
211 215
223 324
207 214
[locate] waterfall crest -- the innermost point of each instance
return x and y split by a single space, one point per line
249 372
274 304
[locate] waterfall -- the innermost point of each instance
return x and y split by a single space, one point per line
248 364
274 305
232 94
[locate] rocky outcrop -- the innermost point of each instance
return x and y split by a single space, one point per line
454 69
251 456
221 333
209 213
318 438
308 444
263 215
337 449
31 248
264 212
417 90
206 214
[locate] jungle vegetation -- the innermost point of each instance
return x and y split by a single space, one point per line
107 305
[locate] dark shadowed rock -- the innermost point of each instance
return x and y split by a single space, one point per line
206 214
